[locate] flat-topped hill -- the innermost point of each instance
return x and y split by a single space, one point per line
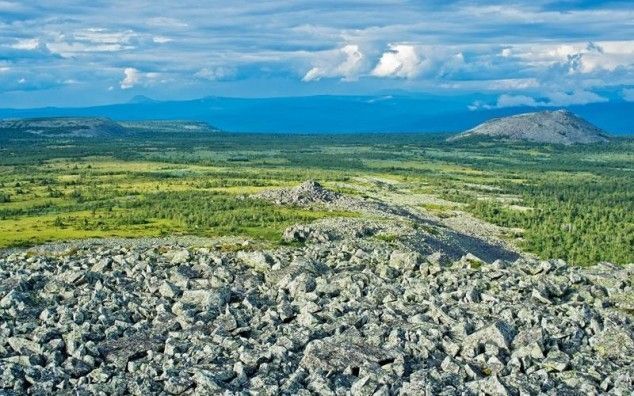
95 127
65 126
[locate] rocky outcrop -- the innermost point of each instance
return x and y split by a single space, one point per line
309 192
349 315
558 127
405 224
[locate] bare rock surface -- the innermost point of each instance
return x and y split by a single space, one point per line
308 192
350 315
417 230
559 127
391 302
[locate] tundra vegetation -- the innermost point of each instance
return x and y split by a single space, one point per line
570 202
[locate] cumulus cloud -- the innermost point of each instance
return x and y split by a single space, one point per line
452 65
161 39
218 73
520 48
26 44
91 40
400 60
515 101
344 63
550 99
131 78
579 57
104 36
574 98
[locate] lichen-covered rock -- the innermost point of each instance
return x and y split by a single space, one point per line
351 315
407 261
259 261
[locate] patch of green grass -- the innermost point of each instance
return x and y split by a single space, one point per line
387 237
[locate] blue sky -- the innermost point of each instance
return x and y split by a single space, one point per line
537 53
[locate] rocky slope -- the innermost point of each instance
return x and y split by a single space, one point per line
557 127
348 315
351 306
414 229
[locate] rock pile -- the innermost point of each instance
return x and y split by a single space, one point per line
309 192
335 317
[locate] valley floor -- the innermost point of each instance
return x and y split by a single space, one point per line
415 268
574 203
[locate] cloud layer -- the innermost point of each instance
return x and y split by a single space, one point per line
523 53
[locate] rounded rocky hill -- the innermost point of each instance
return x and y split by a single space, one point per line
556 127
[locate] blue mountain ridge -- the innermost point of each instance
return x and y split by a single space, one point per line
331 114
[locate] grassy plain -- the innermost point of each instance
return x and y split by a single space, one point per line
575 203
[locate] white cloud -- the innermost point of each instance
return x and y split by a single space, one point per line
452 65
167 22
506 52
91 40
579 57
26 44
4 69
515 101
131 78
552 99
573 98
345 62
514 84
104 36
67 49
628 94
401 60
217 73
529 47
505 84
478 104
161 39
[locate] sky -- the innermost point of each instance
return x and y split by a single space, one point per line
535 53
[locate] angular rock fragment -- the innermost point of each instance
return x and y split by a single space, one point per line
499 334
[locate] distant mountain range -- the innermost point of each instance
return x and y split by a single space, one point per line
92 127
64 127
321 114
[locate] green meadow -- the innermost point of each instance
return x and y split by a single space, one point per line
574 203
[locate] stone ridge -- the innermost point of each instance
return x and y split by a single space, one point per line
556 127
334 317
